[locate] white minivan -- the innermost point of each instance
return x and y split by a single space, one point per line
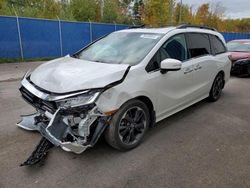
123 83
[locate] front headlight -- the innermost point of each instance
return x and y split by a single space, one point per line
79 100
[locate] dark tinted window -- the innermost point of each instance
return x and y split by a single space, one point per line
174 48
154 63
217 46
198 44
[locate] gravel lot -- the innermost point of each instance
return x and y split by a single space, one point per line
206 145
15 71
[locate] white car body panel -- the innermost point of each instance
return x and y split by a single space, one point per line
75 99
169 92
173 91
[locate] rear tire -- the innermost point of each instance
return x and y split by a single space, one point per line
217 87
128 125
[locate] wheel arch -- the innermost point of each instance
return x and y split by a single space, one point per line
146 100
221 72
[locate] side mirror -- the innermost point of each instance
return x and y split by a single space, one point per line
170 65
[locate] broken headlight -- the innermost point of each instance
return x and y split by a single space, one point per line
79 100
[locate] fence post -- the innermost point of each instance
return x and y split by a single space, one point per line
90 31
19 35
60 35
236 35
115 25
227 36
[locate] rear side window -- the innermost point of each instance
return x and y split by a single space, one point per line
217 45
198 44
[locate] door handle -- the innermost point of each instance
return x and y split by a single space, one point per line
188 70
197 67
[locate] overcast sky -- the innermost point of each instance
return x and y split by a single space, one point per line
234 8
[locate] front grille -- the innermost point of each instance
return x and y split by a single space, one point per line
37 102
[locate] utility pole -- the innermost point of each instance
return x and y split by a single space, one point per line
161 17
180 12
170 12
102 7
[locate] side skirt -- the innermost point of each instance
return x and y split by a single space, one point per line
181 108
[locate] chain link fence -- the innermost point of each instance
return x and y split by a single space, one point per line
30 38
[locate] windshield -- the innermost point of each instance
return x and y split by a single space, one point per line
235 46
121 48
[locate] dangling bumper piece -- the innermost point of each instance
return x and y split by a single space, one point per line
59 133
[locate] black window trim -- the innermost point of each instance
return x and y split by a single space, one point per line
189 56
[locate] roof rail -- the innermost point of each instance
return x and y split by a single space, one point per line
184 26
136 26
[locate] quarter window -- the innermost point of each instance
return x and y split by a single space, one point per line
217 46
198 44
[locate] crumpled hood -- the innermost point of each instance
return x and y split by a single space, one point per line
69 74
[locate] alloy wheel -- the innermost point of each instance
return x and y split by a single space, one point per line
218 86
132 125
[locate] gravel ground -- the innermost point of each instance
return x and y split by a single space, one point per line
15 71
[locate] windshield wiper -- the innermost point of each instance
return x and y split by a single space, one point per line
102 61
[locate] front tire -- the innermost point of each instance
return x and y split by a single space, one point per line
128 126
217 87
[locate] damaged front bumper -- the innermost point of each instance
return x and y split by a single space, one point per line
61 134
74 129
